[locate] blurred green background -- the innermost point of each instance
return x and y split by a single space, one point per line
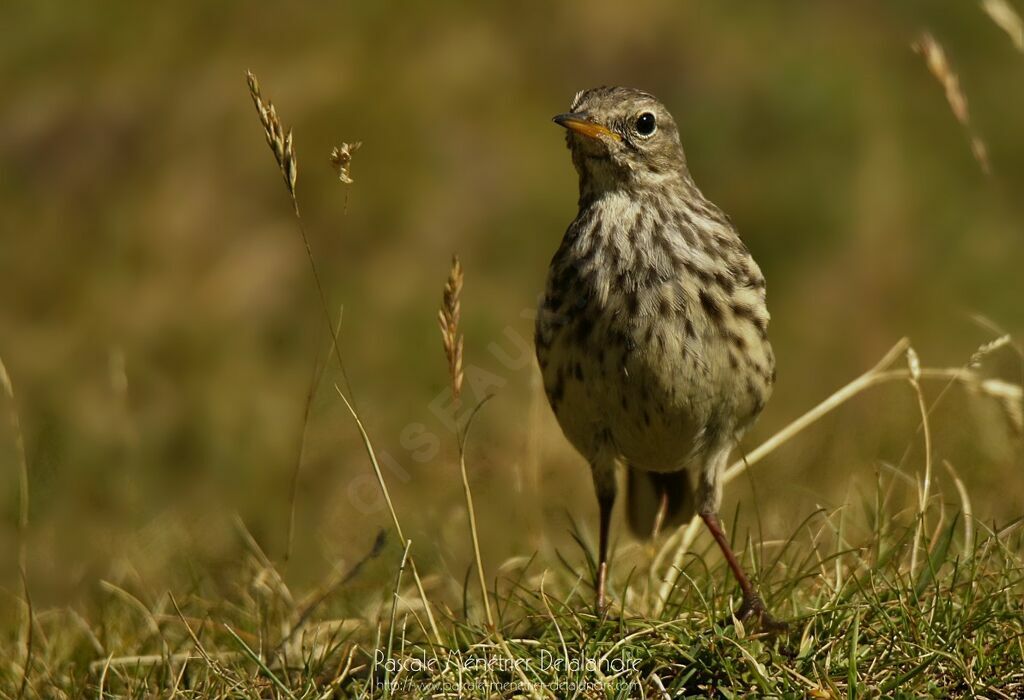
160 326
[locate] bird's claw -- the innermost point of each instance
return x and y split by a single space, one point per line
754 613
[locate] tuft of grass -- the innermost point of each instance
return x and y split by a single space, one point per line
862 624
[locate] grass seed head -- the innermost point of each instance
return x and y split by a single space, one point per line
935 58
341 160
987 349
914 365
448 319
280 142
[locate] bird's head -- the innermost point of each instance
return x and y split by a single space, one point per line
622 137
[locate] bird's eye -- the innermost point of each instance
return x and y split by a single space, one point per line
645 124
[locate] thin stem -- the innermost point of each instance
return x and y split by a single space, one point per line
294 486
391 509
314 385
394 610
923 489
322 294
840 397
471 513
27 667
23 512
965 508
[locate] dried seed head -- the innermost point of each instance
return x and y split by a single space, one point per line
341 159
986 349
1010 397
914 364
1003 14
280 143
935 58
291 171
448 319
5 381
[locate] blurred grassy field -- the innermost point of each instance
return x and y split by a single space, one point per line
160 326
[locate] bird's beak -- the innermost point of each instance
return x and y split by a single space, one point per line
581 125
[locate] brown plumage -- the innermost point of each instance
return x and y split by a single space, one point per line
652 335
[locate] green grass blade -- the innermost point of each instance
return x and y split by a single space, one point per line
254 657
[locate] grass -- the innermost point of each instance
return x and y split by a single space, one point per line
898 593
863 623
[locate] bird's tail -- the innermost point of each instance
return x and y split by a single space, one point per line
647 491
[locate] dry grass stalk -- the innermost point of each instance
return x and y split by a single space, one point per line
474 536
987 349
284 153
1010 396
935 58
1007 19
19 446
372 454
281 145
25 630
341 160
149 660
924 488
314 385
279 141
965 508
448 319
395 597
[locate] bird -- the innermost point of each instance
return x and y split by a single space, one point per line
652 331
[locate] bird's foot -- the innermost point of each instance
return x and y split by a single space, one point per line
754 614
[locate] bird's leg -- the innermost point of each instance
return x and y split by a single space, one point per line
715 526
605 502
602 469
753 607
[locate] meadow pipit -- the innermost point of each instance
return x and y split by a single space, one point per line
653 333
